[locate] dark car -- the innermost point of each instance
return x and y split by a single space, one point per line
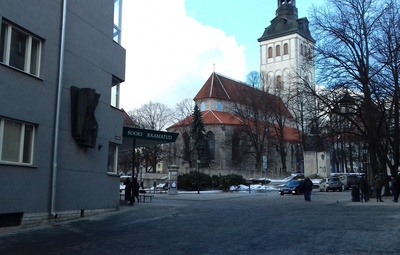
293 187
349 180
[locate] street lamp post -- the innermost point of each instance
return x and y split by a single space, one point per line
198 176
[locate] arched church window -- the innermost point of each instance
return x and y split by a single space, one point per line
219 106
211 144
285 49
270 52
279 84
202 106
278 50
236 148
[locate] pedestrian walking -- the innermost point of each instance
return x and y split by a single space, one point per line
378 184
135 190
308 186
128 189
363 186
154 185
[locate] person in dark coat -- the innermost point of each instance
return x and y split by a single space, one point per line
135 190
396 189
128 189
308 187
378 184
363 186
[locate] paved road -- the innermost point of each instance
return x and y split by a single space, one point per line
223 223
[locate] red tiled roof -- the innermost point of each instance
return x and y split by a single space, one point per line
223 88
289 134
211 118
224 118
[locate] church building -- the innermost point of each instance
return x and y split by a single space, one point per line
230 150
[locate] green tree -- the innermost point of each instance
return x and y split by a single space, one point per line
199 137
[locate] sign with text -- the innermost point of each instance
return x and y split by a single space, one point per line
146 134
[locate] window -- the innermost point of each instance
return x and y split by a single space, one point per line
278 50
202 106
285 49
279 84
20 49
270 52
115 92
16 142
211 145
219 106
117 20
112 158
236 148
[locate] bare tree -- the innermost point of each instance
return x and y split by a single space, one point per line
183 109
183 116
388 45
265 118
280 107
155 116
253 79
346 56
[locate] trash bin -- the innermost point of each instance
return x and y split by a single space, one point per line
355 193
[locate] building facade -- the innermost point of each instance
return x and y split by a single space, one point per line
60 127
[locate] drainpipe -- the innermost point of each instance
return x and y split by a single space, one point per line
57 117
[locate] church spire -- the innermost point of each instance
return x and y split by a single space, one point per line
287 9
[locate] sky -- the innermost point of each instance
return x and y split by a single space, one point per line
173 46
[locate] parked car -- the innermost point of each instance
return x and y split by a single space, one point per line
349 180
331 183
293 187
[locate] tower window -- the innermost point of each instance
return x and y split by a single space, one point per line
270 52
278 50
285 49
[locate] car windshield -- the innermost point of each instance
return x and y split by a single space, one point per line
292 183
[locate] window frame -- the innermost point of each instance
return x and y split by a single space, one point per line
113 161
32 57
219 106
211 145
22 143
278 50
270 52
115 92
286 49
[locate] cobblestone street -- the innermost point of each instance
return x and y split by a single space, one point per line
223 223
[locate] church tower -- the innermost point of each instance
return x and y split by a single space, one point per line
286 49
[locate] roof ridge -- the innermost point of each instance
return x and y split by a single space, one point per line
220 121
212 83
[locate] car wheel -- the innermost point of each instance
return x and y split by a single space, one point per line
341 189
281 193
326 190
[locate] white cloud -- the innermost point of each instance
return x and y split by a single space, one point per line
170 55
